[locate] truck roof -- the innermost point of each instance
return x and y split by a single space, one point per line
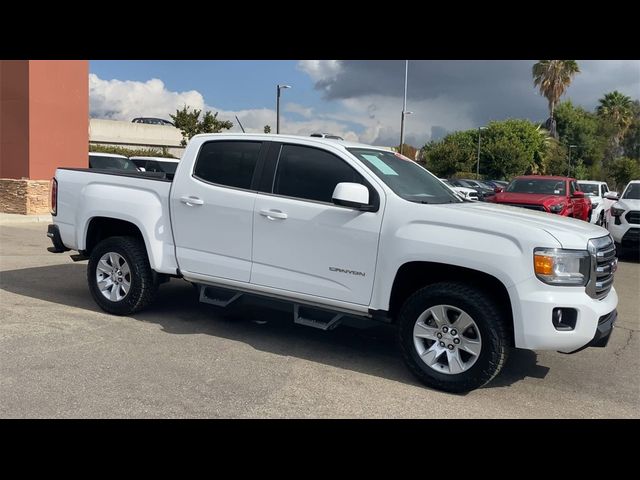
275 137
158 159
592 182
545 177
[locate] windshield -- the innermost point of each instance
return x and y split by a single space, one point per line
589 189
405 177
537 186
632 192
111 163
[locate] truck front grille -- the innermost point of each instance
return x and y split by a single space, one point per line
603 266
633 216
527 205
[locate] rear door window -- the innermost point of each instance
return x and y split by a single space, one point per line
228 163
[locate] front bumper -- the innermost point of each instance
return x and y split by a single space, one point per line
533 303
631 237
624 233
53 232
603 332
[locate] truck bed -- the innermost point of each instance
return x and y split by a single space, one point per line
125 173
141 198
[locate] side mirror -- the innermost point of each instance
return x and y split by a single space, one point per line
354 195
498 189
578 194
611 195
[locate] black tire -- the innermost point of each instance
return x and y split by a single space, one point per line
488 317
144 281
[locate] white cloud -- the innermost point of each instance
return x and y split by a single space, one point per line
306 112
124 100
373 119
320 69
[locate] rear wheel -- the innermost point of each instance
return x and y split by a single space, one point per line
453 337
119 275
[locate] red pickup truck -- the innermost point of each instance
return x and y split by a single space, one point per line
559 195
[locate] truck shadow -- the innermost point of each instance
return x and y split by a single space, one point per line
371 351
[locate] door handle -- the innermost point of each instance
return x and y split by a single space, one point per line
191 201
273 214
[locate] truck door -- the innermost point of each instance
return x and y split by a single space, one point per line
212 210
302 241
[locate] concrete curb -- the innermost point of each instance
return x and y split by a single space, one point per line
14 218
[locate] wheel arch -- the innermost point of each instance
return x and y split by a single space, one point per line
98 228
414 275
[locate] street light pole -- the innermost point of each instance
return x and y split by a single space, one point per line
278 106
404 105
478 165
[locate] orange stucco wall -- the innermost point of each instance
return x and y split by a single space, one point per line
44 121
14 119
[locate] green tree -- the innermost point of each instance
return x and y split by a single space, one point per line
512 147
631 140
553 77
576 126
408 151
623 170
508 148
556 159
617 109
454 153
131 152
267 129
190 124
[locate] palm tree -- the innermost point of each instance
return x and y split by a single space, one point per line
553 78
617 109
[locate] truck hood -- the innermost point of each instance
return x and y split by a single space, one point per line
464 190
569 232
528 198
628 204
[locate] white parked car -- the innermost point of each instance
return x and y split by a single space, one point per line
464 192
600 204
623 220
156 164
345 233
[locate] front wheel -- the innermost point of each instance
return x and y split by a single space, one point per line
453 337
119 275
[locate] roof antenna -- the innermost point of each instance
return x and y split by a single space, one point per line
240 124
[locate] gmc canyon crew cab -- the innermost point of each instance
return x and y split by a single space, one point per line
343 232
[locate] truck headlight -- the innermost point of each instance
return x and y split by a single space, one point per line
616 211
557 266
557 208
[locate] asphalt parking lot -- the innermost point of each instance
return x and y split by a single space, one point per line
61 356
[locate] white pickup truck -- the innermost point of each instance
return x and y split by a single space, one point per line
343 232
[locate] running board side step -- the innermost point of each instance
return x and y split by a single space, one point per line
316 318
218 296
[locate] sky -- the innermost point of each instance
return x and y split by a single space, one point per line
358 100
